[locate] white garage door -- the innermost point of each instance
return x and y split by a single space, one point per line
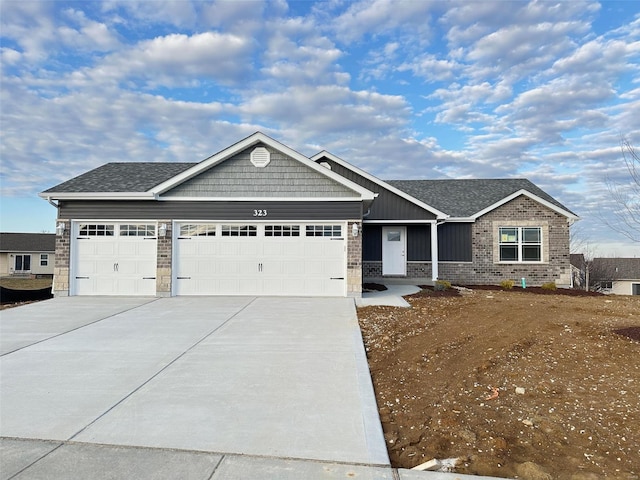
259 259
114 259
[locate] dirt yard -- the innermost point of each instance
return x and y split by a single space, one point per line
512 384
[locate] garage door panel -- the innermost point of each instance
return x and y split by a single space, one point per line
291 267
104 247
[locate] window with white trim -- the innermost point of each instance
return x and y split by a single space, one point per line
137 230
281 230
324 231
198 230
239 230
44 259
520 244
96 230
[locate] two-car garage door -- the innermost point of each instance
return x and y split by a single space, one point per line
211 258
259 259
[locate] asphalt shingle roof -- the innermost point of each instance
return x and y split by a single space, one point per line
464 198
122 177
27 242
457 198
619 268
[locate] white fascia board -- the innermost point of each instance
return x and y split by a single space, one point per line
398 222
256 138
259 199
97 196
382 183
461 220
572 217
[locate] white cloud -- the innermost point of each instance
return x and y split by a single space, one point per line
175 59
431 68
378 17
40 34
173 12
9 56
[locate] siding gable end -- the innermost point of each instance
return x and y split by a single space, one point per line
238 178
388 205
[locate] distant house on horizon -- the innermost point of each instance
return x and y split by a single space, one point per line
619 276
578 269
27 253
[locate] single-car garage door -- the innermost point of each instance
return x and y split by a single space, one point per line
259 259
114 259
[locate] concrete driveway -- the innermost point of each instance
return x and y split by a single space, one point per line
276 377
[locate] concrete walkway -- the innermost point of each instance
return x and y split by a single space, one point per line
391 297
47 460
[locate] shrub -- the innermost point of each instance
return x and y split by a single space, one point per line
507 284
549 286
442 285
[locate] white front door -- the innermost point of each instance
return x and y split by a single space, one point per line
394 246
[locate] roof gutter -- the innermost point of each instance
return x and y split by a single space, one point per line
98 196
51 202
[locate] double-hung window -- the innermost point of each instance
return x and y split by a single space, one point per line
520 244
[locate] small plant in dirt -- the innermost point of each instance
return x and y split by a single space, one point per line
507 284
549 286
441 285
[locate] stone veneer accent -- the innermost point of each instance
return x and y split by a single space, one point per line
354 260
163 262
61 265
485 267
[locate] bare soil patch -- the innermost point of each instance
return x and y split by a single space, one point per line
446 371
19 283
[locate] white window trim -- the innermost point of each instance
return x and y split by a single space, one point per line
544 242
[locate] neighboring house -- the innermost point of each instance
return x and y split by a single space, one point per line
259 218
27 253
620 276
578 270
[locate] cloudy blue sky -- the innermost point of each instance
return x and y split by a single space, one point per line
403 89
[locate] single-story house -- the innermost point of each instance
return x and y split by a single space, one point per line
27 253
619 276
259 218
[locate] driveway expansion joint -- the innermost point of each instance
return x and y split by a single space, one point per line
132 392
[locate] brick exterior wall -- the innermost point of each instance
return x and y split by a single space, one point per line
61 266
163 262
354 260
485 267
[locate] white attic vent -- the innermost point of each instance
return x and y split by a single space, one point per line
260 157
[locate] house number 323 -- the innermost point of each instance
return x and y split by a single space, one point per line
259 213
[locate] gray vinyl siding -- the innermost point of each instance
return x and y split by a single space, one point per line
237 177
418 243
388 205
371 243
454 242
152 210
